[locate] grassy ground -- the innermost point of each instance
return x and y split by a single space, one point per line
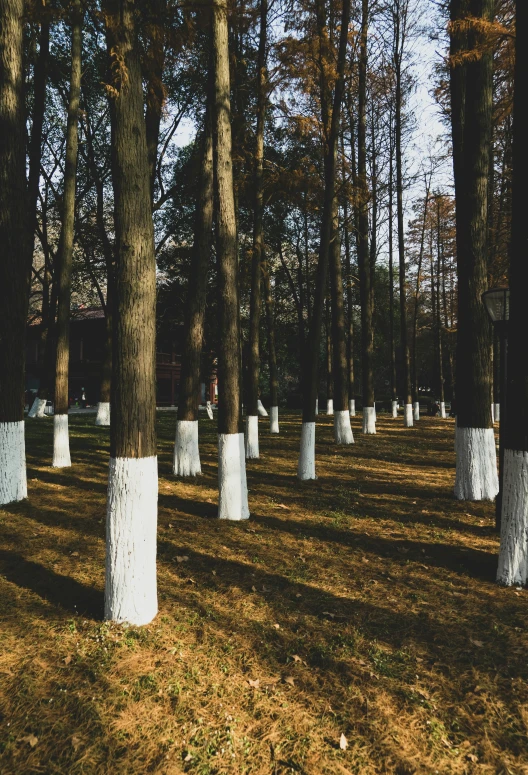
362 604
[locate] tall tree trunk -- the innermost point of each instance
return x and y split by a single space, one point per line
272 355
231 457
404 338
417 292
13 235
350 313
342 428
476 476
186 460
61 442
513 555
438 320
154 60
252 442
394 396
131 594
328 351
306 466
365 275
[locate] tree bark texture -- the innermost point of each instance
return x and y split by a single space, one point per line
473 335
133 431
339 348
226 238
65 251
189 399
258 214
270 320
391 263
14 233
154 61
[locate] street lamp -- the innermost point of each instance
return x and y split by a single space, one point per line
497 303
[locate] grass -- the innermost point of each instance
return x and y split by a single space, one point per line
361 604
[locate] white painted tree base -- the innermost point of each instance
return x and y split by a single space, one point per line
442 410
408 416
369 420
342 428
316 406
352 407
274 419
252 437
186 458
306 464
209 410
232 484
416 411
37 407
261 409
394 408
330 406
513 553
103 413
131 527
13 482
61 442
476 464
496 412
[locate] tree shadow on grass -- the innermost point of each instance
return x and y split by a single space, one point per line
62 591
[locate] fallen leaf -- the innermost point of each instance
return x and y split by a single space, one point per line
214 573
296 658
343 743
31 739
67 659
478 643
472 757
75 554
188 758
289 680
277 626
182 558
253 589
254 684
76 742
298 594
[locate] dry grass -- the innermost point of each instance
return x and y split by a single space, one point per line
363 604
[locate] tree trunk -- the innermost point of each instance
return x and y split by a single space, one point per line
272 355
365 276
476 476
438 319
329 373
231 456
513 555
154 60
131 594
13 236
186 460
394 396
61 442
103 407
252 444
350 303
342 428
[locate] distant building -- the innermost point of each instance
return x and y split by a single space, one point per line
87 341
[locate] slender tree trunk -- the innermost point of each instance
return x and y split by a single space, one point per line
252 443
342 428
476 477
231 457
328 349
13 237
513 555
186 460
438 320
61 443
306 466
365 276
350 314
103 406
131 594
394 395
417 294
272 355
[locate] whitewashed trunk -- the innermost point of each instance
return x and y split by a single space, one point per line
369 419
37 407
342 428
442 410
352 407
496 412
261 409
103 413
232 485
408 416
513 553
316 406
209 410
252 437
13 482
394 408
274 419
416 411
476 464
186 459
131 527
330 406
306 465
61 442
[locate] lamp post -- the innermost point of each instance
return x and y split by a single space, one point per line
497 303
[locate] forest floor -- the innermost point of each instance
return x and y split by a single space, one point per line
362 604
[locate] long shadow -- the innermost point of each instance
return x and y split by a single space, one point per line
67 480
62 591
